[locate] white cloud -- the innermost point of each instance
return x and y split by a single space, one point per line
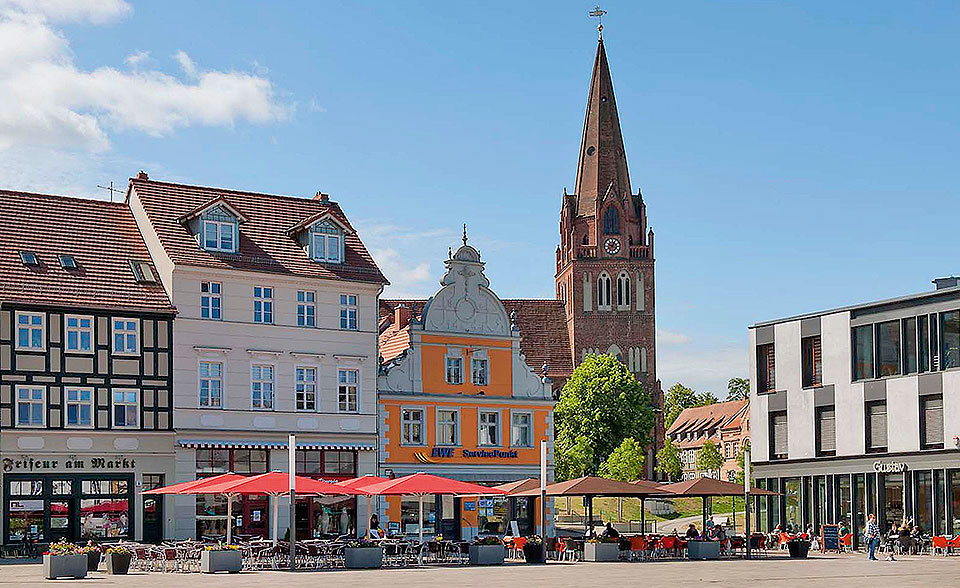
665 337
409 257
137 58
407 279
47 101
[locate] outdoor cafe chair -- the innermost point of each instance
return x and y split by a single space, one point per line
516 547
758 544
638 546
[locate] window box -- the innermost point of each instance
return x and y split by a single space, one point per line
64 566
221 560
362 558
601 551
487 555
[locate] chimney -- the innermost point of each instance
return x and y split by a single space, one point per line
401 316
322 197
142 175
950 282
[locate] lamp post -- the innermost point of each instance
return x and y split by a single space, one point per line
746 498
292 453
543 489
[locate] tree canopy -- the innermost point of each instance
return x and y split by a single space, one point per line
740 457
601 405
625 463
738 389
679 397
668 460
709 457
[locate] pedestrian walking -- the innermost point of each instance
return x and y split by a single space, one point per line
872 536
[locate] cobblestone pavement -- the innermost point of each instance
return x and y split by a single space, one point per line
845 571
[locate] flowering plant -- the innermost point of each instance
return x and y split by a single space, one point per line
488 540
534 540
602 539
361 543
88 548
221 546
438 538
118 550
62 547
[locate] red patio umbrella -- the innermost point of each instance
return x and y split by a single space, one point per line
184 487
362 482
421 484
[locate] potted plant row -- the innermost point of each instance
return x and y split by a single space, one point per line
487 551
362 554
221 558
533 550
93 556
64 560
118 559
601 549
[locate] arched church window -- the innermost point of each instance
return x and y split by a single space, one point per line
623 291
603 292
611 221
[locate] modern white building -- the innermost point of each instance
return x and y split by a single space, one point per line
276 333
857 410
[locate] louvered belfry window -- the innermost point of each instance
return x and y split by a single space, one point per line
826 431
876 426
931 408
778 435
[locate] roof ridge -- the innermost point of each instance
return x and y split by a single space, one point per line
235 191
83 199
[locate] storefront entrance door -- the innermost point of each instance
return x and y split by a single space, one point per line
450 517
152 509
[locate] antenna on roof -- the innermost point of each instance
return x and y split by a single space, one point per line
110 189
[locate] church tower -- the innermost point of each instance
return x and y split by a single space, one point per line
605 260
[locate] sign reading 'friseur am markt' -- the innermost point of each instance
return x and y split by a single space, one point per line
475 453
30 464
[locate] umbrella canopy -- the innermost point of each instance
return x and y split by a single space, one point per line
649 484
520 486
274 483
592 486
711 487
421 483
186 487
362 481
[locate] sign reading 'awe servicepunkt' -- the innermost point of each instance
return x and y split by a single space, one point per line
475 453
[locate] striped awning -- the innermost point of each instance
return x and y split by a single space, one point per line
251 444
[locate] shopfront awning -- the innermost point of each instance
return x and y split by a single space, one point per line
256 444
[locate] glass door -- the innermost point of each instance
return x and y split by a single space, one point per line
152 509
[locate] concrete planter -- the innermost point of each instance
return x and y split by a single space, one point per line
703 550
487 555
64 566
362 558
601 551
118 563
225 560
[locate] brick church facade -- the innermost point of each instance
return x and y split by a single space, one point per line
605 297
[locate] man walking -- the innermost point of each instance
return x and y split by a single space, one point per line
872 535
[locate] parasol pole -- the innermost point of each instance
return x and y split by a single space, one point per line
229 517
420 507
276 516
543 490
292 453
746 498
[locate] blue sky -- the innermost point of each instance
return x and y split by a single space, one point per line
793 156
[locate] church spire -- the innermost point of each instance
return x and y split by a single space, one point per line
602 171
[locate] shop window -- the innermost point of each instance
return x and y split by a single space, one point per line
309 462
249 461
410 515
766 368
931 422
888 348
105 518
812 362
212 461
863 352
343 463
876 425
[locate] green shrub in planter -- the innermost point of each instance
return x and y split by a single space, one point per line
362 554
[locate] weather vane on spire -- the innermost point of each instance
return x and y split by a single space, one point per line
598 13
464 233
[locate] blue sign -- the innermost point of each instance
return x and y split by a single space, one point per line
469 505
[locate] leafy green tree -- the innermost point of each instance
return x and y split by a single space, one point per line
668 460
709 457
679 397
601 404
738 389
625 463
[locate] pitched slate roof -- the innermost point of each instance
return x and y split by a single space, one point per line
101 236
543 332
264 242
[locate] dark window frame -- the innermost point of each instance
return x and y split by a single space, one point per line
923 421
818 416
766 368
868 429
811 362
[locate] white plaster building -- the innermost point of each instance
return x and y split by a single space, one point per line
276 333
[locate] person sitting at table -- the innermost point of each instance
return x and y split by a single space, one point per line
692 532
709 524
917 536
610 532
375 532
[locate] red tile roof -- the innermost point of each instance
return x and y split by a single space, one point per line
543 332
103 238
264 244
700 418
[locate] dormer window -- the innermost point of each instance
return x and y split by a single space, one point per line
326 242
219 236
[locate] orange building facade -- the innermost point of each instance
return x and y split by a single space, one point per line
456 398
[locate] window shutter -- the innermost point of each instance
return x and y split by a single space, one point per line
933 421
827 430
817 362
778 433
878 425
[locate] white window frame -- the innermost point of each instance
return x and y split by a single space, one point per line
305 383
498 442
446 369
30 327
113 335
331 242
218 227
201 378
306 308
624 293
486 371
265 303
31 401
262 381
208 297
347 384
67 329
530 427
66 406
459 425
423 427
349 309
124 402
